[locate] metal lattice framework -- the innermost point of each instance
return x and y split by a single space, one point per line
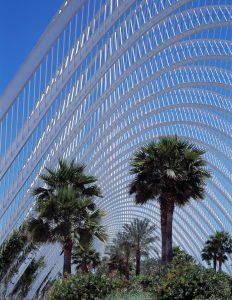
108 76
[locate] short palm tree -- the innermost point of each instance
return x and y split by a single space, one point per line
86 258
209 254
63 207
121 253
172 172
216 248
141 236
84 254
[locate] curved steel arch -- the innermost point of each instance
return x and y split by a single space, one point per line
33 123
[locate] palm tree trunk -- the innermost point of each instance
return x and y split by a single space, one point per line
215 262
220 264
67 257
138 256
170 210
163 222
127 271
25 291
84 268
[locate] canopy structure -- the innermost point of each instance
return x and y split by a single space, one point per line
106 77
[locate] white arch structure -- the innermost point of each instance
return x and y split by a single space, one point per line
108 76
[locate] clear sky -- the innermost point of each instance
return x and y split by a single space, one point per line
21 24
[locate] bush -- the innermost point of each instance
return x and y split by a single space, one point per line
194 282
145 283
186 281
79 287
130 296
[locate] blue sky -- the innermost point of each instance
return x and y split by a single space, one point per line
21 24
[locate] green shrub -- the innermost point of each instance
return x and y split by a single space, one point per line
180 282
194 282
130 296
89 287
145 283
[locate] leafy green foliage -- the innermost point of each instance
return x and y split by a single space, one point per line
189 281
183 281
130 296
150 266
68 175
180 257
85 287
10 250
13 253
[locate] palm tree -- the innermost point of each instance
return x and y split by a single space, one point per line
63 205
67 175
84 255
216 248
171 171
209 253
86 258
120 253
141 236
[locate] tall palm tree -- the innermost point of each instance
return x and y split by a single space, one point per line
171 171
216 248
63 205
141 236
